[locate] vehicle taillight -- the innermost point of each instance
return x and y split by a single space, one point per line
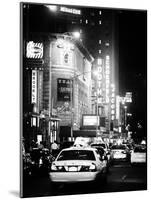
92 167
88 168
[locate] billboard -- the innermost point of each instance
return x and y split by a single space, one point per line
34 50
91 120
64 89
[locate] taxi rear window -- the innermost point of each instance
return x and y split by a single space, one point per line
76 155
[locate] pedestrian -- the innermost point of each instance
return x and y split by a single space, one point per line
54 148
41 146
33 145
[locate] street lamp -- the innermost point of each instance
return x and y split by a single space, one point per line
76 35
52 8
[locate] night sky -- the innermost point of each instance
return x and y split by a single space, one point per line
133 60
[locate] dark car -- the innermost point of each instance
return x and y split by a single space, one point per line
27 163
104 155
41 161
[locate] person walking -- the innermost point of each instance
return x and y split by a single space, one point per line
54 148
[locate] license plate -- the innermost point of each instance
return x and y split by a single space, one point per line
72 169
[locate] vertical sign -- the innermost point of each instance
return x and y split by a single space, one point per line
112 101
34 87
107 78
100 76
118 107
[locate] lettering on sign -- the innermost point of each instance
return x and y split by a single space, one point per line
70 10
34 87
107 78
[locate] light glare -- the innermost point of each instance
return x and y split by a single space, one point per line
52 8
76 34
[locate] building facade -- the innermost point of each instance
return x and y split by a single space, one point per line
71 83
56 87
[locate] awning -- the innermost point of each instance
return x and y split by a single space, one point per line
65 131
84 133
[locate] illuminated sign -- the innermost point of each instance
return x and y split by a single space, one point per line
70 10
64 89
112 101
107 78
66 51
128 97
91 120
34 50
100 76
118 107
34 87
61 43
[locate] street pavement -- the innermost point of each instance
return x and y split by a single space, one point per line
121 177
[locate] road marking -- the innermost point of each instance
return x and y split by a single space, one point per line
122 166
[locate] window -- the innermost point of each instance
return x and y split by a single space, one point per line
92 14
100 51
100 12
66 58
107 44
86 21
100 22
100 41
99 61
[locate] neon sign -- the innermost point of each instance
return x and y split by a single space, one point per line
34 87
70 10
100 76
34 50
107 78
112 101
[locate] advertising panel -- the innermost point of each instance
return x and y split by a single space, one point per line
91 120
34 50
64 89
